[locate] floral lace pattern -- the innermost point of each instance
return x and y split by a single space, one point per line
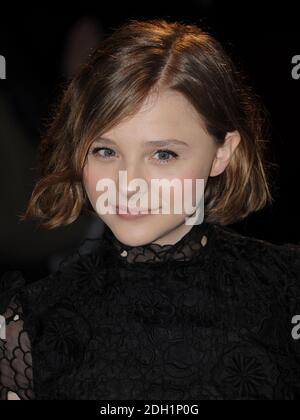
15 352
188 248
207 318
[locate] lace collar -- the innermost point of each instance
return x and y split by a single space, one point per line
193 244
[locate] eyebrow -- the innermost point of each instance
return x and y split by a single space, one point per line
157 143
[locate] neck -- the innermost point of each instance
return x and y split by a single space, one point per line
172 237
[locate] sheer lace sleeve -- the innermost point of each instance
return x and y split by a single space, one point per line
15 350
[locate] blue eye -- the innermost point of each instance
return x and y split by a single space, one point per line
96 150
165 154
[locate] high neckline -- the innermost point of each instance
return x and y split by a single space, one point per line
192 245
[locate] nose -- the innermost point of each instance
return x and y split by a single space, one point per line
129 175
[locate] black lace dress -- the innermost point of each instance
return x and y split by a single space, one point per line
207 318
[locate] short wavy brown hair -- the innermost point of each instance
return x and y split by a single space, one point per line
138 58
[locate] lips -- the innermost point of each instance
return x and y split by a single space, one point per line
134 211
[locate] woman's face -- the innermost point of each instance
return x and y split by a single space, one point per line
129 147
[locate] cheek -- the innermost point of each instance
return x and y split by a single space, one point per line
192 189
194 172
188 191
90 179
191 186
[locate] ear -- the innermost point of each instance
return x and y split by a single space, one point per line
224 153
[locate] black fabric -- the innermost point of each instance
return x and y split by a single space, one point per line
207 318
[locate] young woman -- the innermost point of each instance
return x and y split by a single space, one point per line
160 309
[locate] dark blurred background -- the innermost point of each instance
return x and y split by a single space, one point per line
44 45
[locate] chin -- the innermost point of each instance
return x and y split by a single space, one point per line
133 236
127 239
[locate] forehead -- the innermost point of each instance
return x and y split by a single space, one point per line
164 115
